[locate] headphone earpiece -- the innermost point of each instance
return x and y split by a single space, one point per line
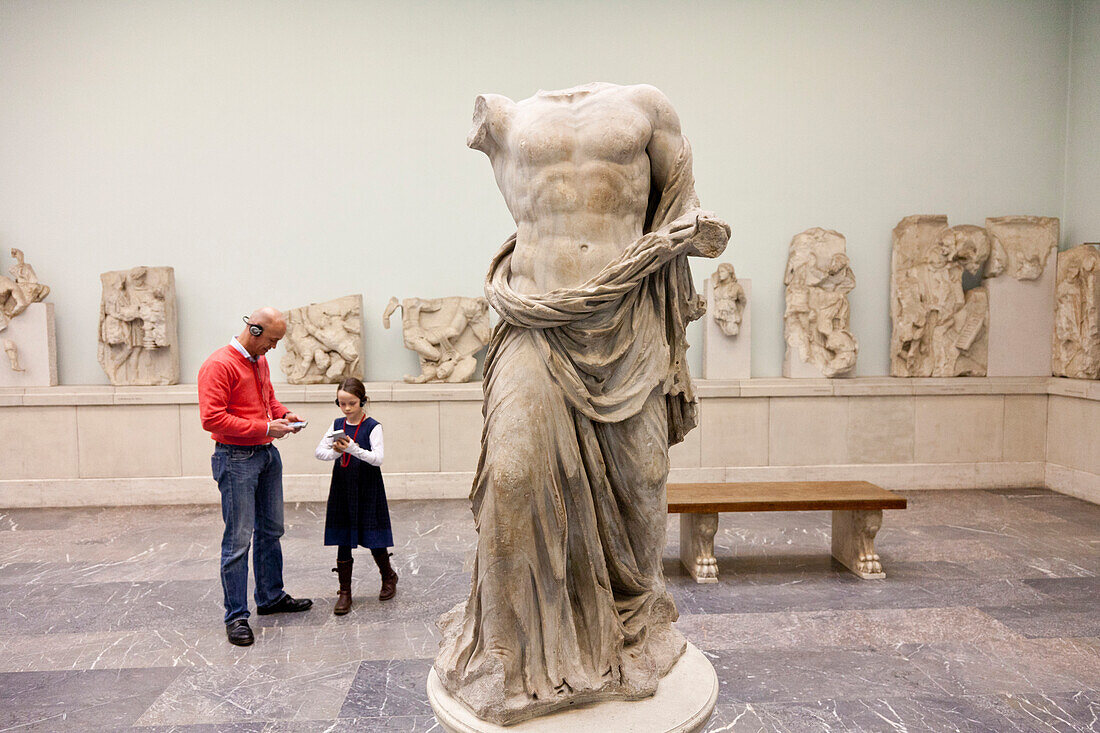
253 328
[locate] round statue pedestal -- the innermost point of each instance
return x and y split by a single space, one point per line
684 700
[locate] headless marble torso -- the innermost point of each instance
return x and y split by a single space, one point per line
575 168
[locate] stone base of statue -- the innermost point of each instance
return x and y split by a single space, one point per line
28 349
727 357
683 702
1021 321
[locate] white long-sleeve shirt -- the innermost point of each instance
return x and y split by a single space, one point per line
325 451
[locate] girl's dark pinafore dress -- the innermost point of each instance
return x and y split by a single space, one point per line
358 515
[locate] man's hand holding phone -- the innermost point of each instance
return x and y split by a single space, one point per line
285 425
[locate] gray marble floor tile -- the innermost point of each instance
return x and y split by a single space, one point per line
976 714
1049 620
1065 713
338 640
842 593
260 692
79 700
384 689
1068 590
853 630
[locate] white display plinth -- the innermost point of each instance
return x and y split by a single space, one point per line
727 357
1021 323
32 332
683 702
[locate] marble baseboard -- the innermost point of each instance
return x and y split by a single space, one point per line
1070 481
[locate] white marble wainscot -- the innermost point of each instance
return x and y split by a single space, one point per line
32 334
727 357
1021 323
899 433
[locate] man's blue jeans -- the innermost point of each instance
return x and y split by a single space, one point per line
250 479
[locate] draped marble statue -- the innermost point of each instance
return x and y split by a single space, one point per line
586 386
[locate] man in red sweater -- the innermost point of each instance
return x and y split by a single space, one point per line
237 405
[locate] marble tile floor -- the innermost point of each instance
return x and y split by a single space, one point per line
989 621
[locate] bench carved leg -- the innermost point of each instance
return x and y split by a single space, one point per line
854 541
697 546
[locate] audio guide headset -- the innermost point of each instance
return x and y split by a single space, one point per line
253 328
362 401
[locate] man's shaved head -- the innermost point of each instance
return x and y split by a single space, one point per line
273 323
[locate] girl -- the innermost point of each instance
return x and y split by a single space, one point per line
357 511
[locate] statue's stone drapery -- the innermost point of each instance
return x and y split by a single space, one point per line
586 386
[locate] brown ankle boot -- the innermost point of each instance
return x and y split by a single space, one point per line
343 596
389 577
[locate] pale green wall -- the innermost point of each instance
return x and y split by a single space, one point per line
1082 212
285 153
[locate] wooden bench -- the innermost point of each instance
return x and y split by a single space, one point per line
856 505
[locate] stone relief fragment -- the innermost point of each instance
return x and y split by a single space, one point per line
1077 314
138 341
324 342
20 290
17 293
939 329
729 299
1021 244
12 352
816 320
445 333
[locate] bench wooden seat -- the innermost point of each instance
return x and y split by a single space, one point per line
856 506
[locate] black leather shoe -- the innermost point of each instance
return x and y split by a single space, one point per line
239 632
286 604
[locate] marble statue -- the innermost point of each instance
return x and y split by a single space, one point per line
729 299
816 320
939 329
445 333
12 352
138 344
20 290
586 385
324 342
1077 314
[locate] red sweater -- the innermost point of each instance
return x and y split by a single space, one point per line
236 399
